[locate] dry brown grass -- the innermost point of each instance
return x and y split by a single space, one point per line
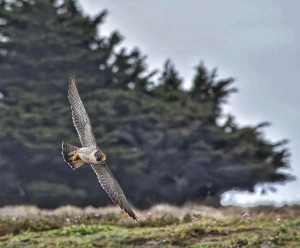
157 210
160 226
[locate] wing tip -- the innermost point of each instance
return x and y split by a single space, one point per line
130 213
72 89
128 210
135 218
71 82
71 78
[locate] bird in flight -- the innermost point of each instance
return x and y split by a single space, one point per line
90 153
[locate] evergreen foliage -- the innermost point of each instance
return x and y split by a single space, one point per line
164 144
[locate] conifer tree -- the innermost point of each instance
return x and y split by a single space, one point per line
170 82
164 144
205 88
42 43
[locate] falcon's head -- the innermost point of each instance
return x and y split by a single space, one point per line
100 156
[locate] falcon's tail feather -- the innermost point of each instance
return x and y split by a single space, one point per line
70 156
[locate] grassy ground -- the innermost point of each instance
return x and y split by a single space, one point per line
161 226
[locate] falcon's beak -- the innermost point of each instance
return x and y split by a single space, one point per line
102 158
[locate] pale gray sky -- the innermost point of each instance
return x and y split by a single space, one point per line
256 42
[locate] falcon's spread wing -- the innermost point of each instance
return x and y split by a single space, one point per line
80 117
112 188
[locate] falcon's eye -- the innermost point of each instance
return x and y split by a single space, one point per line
101 158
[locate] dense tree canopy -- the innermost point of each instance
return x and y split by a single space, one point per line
164 144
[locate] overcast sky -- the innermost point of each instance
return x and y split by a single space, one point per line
256 42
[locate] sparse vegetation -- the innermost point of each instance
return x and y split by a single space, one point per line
161 226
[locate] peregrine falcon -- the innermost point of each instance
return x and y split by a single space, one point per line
90 153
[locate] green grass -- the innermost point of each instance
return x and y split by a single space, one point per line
161 226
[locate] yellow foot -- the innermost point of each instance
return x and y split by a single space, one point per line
76 158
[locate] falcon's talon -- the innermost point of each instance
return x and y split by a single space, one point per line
75 157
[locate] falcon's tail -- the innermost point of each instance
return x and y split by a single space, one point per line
70 156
